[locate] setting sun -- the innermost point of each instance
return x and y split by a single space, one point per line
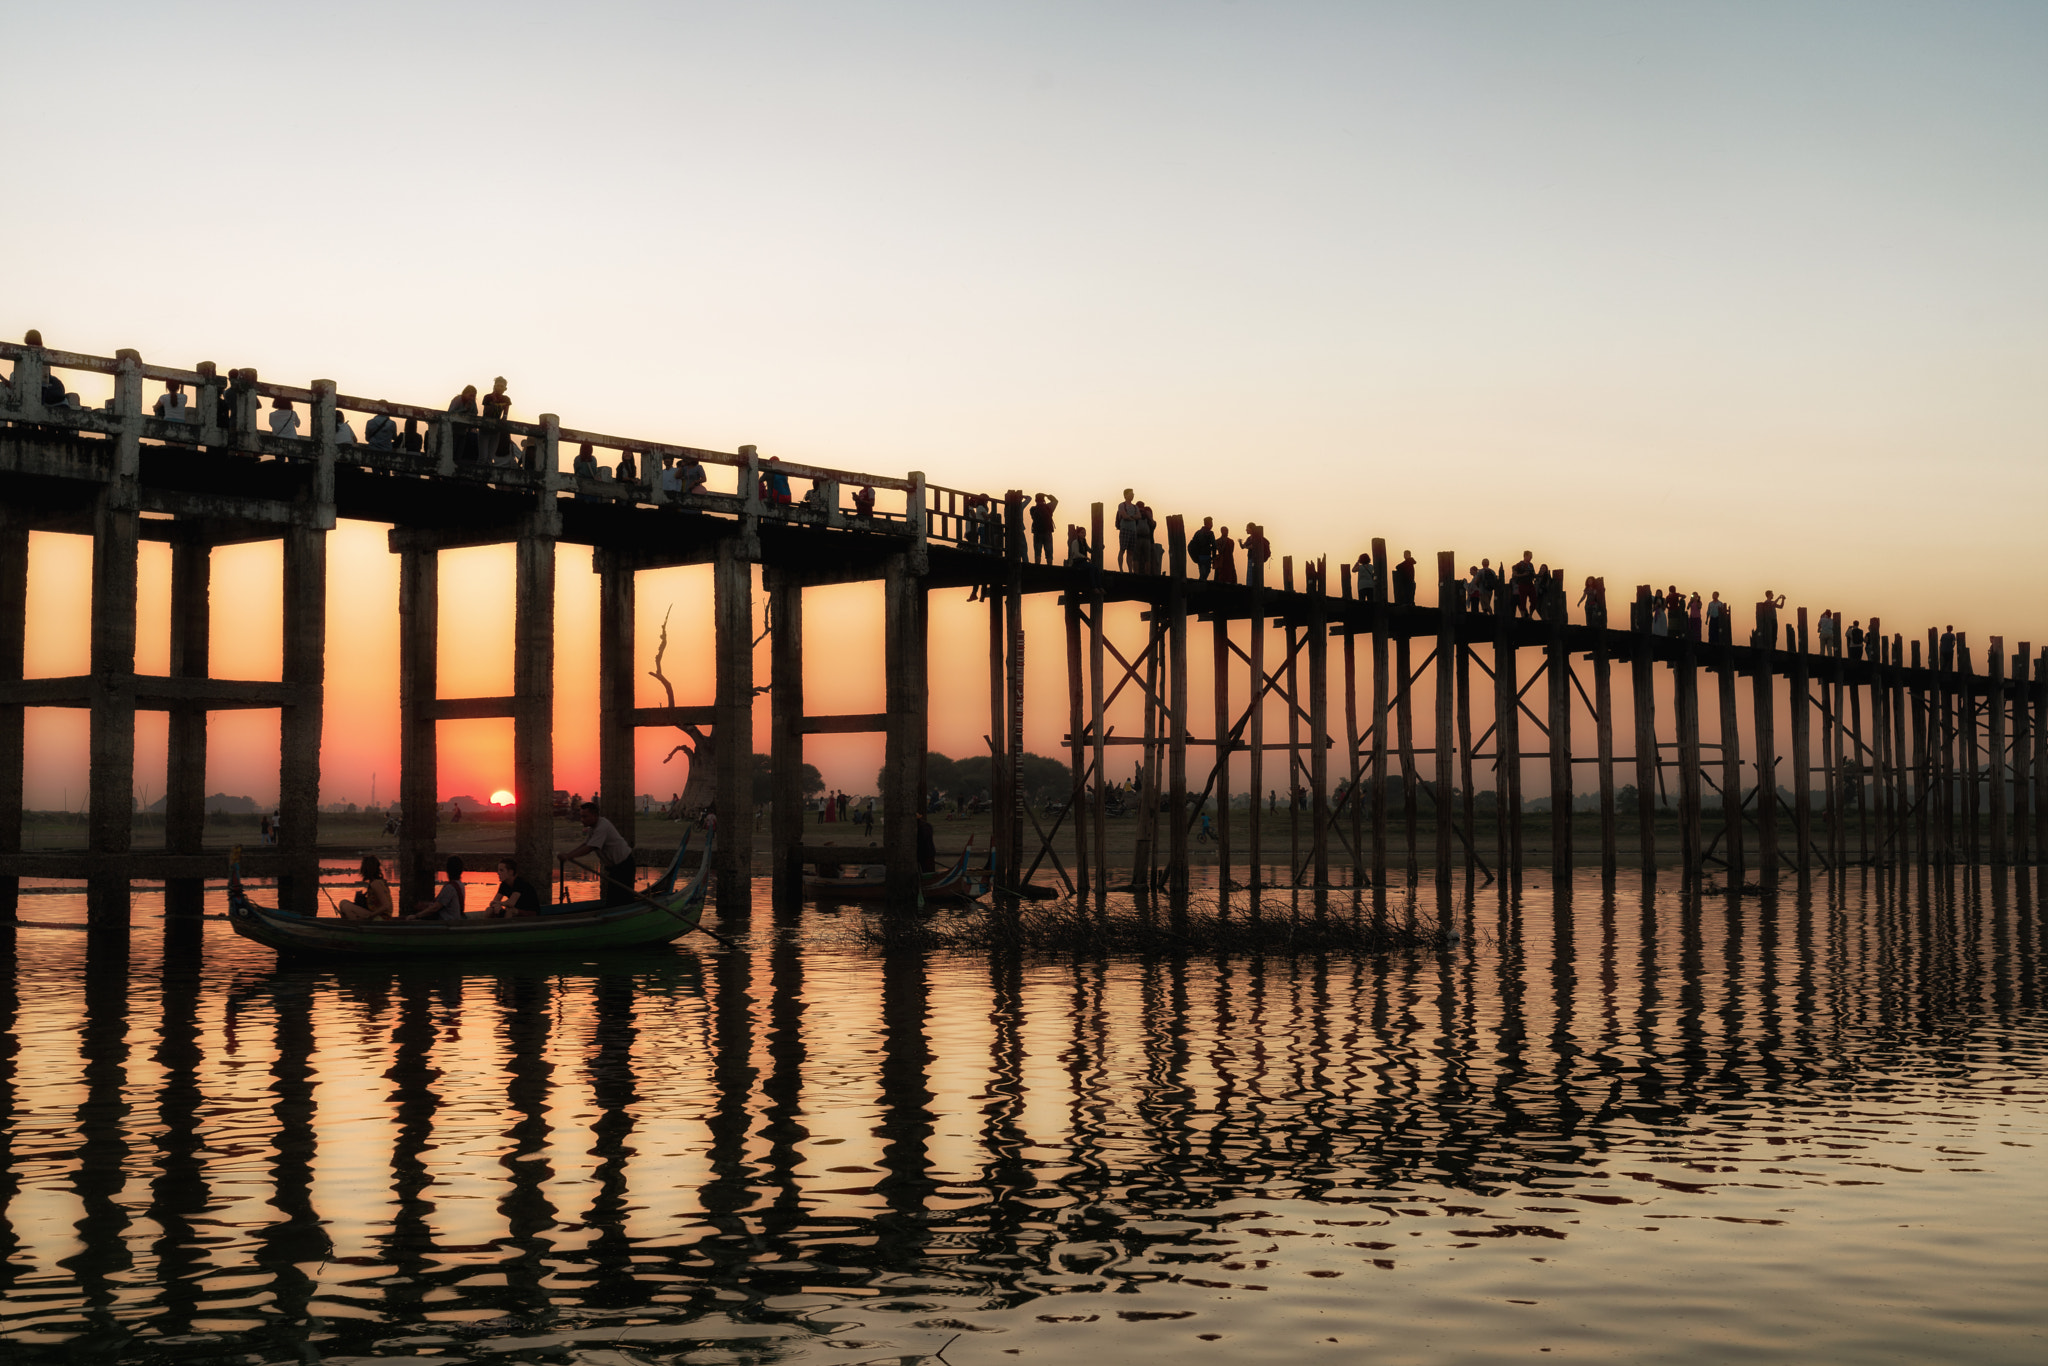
501 798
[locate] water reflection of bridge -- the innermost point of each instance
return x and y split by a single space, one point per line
1951 756
356 1154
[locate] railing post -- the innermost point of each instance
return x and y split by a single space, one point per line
324 452
206 399
30 370
128 417
547 455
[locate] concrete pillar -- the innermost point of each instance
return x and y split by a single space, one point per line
785 736
185 768
299 729
732 587
533 710
905 741
419 610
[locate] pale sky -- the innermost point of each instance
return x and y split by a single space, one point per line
1726 295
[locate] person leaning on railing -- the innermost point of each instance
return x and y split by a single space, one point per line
381 433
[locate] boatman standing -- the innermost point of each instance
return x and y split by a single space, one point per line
602 838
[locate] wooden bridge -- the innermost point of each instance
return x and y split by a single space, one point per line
1914 759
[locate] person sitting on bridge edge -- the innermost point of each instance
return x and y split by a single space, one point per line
775 485
1042 507
464 405
412 443
627 471
584 467
283 421
381 432
170 404
344 435
447 903
602 838
1202 548
668 482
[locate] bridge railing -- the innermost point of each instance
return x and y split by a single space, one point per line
234 412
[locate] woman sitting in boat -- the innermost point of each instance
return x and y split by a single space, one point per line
447 903
516 898
374 901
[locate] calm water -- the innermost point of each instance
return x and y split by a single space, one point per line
1613 1128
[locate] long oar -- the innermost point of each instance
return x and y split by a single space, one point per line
639 896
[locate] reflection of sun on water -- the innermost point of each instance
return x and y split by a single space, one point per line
501 798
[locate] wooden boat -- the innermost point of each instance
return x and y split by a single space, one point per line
575 928
950 885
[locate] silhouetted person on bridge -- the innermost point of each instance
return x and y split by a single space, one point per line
497 404
1226 557
464 405
412 443
1719 629
1202 548
1594 599
1855 640
283 421
1042 508
584 467
380 432
1257 549
1404 580
170 404
1127 533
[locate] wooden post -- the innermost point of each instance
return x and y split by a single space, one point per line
304 665
1016 548
1763 694
1884 758
1802 755
1380 586
419 612
1731 765
2037 703
1319 730
533 715
732 594
1643 698
1603 737
14 716
1100 810
1177 702
1994 663
1966 703
1560 746
1831 754
1447 593
111 771
1292 673
1858 765
786 735
185 767
2022 752
1404 737
1255 575
1077 735
1465 778
615 678
1923 788
1219 636
1356 799
1507 750
905 741
1686 702
1900 714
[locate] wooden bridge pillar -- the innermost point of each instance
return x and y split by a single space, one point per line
1290 673
1731 764
786 736
1507 746
616 605
1603 740
1016 548
1966 705
1319 730
1219 638
419 654
1255 648
2037 701
1099 807
1448 593
185 767
533 703
1685 702
1177 702
906 694
1560 746
1903 768
1921 796
1802 754
732 593
1996 767
1380 629
1763 695
111 771
1643 698
305 667
2022 743
1077 736
13 716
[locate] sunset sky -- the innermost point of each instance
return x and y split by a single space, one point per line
1731 296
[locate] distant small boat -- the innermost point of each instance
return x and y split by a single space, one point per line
657 916
951 885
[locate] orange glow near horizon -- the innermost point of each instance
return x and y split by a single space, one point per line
501 798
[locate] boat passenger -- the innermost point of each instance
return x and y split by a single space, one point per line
516 898
374 901
602 838
447 903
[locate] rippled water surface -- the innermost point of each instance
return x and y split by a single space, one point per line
1601 1126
